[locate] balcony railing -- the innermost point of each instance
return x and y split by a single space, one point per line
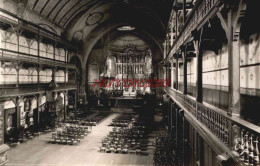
23 57
239 135
199 14
32 89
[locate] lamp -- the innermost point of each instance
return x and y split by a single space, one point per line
126 28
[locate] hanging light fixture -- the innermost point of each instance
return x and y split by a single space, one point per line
126 28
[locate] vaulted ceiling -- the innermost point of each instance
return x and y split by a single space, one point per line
89 20
67 13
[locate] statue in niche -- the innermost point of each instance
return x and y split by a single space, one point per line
148 68
129 59
136 69
119 70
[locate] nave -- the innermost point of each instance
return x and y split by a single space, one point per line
39 152
82 80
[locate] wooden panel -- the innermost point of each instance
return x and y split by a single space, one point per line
206 155
210 156
224 100
215 100
250 108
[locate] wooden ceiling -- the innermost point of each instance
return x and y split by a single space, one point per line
62 12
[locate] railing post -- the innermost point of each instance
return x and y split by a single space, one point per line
65 106
38 68
172 75
176 24
37 117
184 57
176 72
54 50
18 117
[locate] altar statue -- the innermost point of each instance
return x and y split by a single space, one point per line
148 68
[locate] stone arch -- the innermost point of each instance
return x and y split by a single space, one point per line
100 31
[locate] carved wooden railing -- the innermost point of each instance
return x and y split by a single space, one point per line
239 135
32 89
24 57
197 17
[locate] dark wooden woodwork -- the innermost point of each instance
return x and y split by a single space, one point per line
198 47
176 73
18 116
184 11
184 56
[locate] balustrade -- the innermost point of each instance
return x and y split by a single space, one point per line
246 146
14 55
244 135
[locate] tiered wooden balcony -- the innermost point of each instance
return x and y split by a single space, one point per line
36 33
200 14
29 58
32 89
8 19
226 132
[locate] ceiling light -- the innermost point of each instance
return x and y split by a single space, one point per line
126 28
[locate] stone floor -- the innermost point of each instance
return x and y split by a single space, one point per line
38 152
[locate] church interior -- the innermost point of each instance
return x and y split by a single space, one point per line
129 82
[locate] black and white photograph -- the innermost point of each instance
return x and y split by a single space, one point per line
129 82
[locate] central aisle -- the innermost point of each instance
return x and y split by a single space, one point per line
38 152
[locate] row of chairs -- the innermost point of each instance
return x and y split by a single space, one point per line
25 136
69 135
92 119
125 136
72 131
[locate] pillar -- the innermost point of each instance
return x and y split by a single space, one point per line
184 56
198 49
83 85
53 74
233 69
65 106
172 75
18 117
177 72
37 116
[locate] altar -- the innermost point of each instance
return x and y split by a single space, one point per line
127 73
130 92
